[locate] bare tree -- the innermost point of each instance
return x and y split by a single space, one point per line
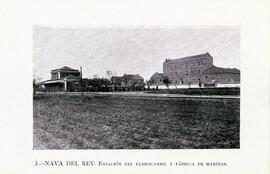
149 83
166 81
189 84
36 84
109 74
95 76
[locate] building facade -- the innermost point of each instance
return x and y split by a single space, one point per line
63 72
133 80
188 69
198 69
221 75
63 79
156 79
128 82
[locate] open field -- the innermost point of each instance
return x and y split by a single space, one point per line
127 122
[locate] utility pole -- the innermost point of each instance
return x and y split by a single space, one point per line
81 81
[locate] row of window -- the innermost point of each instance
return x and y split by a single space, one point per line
63 74
187 65
185 81
55 76
185 73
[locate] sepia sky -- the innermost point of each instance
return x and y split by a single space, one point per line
136 50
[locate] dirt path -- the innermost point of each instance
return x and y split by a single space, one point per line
144 94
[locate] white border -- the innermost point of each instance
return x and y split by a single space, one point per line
17 19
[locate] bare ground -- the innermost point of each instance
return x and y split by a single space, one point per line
127 122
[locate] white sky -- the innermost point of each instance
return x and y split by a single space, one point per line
140 50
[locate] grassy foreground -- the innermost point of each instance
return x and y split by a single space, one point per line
122 122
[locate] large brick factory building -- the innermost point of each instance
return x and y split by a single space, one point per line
198 69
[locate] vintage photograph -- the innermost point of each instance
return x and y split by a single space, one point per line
136 87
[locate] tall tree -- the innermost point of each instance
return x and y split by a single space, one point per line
149 83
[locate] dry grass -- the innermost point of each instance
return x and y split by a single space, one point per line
115 122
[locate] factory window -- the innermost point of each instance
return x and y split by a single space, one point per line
199 71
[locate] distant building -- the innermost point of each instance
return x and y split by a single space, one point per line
63 79
133 80
117 81
128 82
157 79
198 69
221 75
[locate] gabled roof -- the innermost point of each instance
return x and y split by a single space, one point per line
218 70
116 78
132 76
65 68
71 76
52 81
157 75
206 55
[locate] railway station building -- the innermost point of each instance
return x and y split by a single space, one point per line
63 79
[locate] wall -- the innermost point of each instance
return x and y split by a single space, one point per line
222 78
183 71
54 87
73 86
